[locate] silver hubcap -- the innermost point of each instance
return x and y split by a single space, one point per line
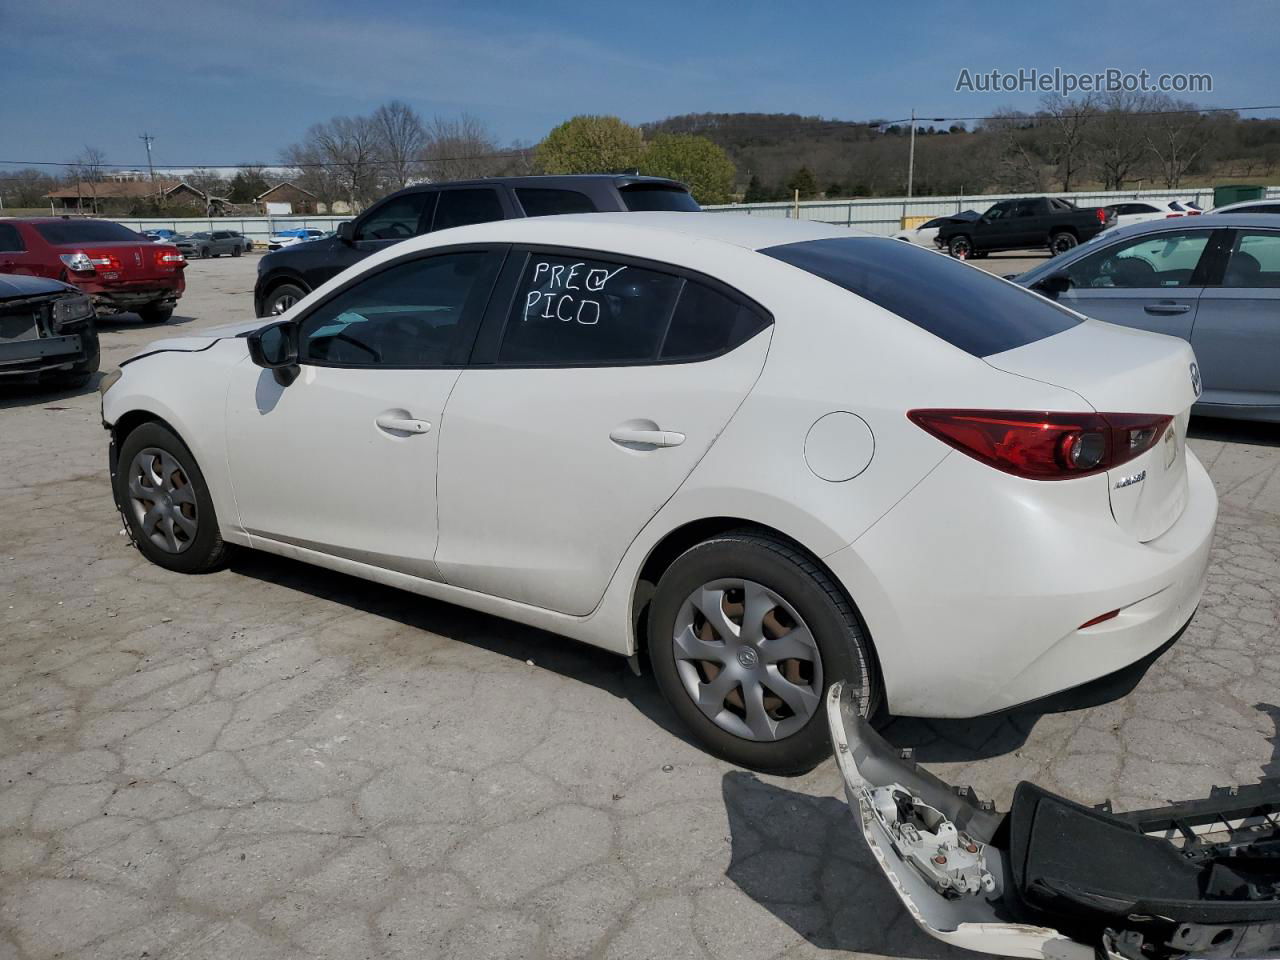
747 659
162 500
283 303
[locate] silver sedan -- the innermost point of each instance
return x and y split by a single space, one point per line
1213 281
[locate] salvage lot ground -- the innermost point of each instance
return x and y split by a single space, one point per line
278 761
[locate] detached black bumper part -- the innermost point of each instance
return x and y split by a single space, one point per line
1056 879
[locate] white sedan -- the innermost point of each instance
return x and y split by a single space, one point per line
771 453
1140 211
287 238
926 234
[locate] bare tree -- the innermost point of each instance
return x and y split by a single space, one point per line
401 139
459 149
1067 129
1019 156
87 169
347 147
1177 135
1116 140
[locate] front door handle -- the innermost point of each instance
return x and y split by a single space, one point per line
632 436
388 421
1167 309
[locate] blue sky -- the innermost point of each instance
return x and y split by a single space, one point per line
226 81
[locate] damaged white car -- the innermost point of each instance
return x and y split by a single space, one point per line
1058 880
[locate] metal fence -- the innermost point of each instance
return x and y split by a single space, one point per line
256 229
883 215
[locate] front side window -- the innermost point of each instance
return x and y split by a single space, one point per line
1254 261
457 208
578 311
996 212
1160 260
397 219
420 313
542 202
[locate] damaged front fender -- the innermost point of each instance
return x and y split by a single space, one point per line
1057 880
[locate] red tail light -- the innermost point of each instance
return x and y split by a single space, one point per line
1170 216
1102 215
1045 446
104 261
169 258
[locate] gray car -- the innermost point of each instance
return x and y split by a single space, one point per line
211 243
1213 281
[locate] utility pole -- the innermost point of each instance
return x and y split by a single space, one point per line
911 154
147 138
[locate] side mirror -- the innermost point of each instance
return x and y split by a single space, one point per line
346 231
1054 285
275 348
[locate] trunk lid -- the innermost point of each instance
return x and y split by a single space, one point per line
124 262
1116 369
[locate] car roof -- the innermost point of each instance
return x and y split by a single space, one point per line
1227 208
739 230
1217 221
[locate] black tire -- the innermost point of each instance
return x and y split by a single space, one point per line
1061 242
206 253
154 313
959 246
237 251
203 552
842 642
282 298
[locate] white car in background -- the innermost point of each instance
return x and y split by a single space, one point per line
926 234
1250 206
1127 212
287 238
771 454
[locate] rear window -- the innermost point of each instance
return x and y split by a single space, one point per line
87 231
961 304
639 196
540 202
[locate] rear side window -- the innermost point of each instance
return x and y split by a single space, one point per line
644 197
11 239
457 208
965 306
707 323
539 202
573 311
1255 261
87 231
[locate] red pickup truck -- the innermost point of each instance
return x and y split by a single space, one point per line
121 271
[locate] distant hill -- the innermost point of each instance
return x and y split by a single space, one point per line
847 158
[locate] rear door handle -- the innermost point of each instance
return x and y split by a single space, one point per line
1167 308
402 424
648 438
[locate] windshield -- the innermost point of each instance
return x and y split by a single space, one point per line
963 305
642 196
87 231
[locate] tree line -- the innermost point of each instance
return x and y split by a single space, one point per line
1112 142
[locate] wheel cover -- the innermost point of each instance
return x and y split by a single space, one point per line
162 502
747 660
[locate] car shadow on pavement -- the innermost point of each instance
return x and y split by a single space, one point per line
802 859
548 651
33 394
996 734
132 321
1234 431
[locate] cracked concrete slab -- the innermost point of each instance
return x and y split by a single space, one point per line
279 761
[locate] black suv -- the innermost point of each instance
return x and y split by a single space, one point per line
289 274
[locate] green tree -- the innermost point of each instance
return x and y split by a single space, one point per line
247 184
757 192
803 181
692 160
836 189
591 144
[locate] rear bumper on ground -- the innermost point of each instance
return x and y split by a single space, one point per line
130 298
962 628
